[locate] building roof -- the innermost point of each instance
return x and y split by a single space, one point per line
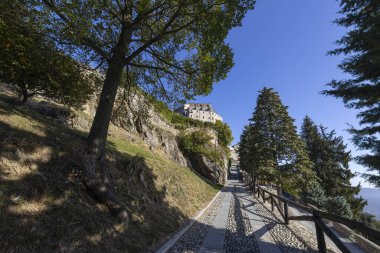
201 107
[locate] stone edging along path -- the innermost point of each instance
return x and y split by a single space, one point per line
176 236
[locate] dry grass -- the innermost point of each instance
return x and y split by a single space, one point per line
45 208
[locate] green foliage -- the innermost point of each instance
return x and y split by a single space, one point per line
361 49
271 146
315 195
172 49
224 133
33 64
182 123
247 157
195 142
339 206
328 153
370 220
229 163
199 142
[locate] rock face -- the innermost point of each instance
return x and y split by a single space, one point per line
208 168
138 120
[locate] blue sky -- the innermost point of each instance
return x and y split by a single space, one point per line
283 44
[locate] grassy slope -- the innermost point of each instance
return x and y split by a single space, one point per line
45 208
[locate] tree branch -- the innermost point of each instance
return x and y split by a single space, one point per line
154 39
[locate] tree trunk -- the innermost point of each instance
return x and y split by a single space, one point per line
98 134
279 193
97 137
24 93
24 99
103 189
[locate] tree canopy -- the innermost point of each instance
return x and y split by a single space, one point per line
33 64
224 133
361 49
172 49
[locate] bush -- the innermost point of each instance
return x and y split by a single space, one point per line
339 206
315 195
198 142
194 142
369 220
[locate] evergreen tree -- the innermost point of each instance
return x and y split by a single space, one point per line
245 153
279 154
362 50
315 195
328 153
338 205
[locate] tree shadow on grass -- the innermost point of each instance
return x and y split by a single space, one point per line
44 207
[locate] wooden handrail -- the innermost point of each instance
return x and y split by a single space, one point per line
317 216
356 225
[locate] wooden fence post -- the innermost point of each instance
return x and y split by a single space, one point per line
286 214
263 196
320 236
271 202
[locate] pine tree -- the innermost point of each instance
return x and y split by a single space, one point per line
331 164
244 150
278 152
338 205
362 50
315 195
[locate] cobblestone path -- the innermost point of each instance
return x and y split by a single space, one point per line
237 222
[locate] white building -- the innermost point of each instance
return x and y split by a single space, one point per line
203 112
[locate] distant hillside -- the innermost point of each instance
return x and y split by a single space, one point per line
373 197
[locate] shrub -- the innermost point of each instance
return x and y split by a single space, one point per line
194 142
198 142
339 206
315 195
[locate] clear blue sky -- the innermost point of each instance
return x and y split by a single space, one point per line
283 45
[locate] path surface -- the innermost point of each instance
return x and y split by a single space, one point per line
237 222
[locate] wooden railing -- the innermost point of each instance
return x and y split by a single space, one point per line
282 205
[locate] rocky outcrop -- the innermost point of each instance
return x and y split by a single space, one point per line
208 168
139 121
138 117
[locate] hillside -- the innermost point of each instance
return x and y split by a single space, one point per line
45 207
372 196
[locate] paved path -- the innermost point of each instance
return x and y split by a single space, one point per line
237 222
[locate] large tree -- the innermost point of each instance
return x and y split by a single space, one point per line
172 48
33 64
279 153
246 156
361 49
331 164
